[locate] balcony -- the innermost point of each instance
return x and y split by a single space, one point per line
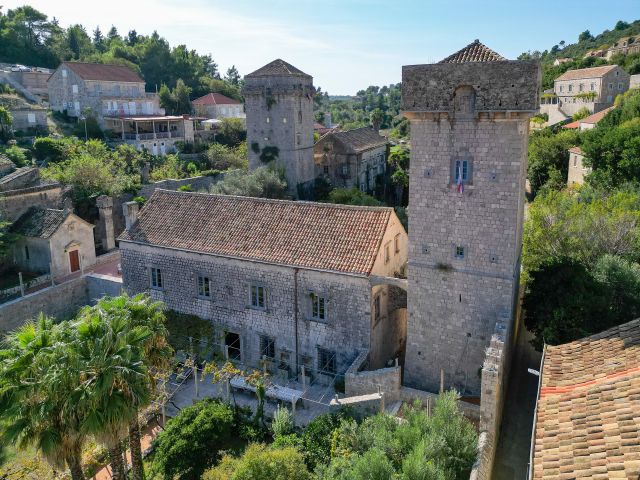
150 136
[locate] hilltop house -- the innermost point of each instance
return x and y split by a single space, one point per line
352 158
300 283
106 90
52 240
216 105
624 46
577 169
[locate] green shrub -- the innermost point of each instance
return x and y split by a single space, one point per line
191 442
52 149
282 423
17 155
261 463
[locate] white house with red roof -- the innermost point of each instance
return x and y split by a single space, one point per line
216 105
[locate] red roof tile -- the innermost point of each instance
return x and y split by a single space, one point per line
588 412
596 117
321 236
474 52
593 72
215 99
108 73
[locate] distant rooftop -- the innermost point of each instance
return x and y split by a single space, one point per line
593 72
359 139
215 99
278 68
105 72
474 52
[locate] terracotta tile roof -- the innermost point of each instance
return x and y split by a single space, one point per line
38 222
304 234
572 125
577 150
474 52
593 72
108 73
215 99
596 117
278 67
588 412
359 139
5 162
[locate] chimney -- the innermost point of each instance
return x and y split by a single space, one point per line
105 214
144 173
130 210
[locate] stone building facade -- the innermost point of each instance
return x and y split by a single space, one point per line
106 90
279 109
594 88
577 169
52 241
299 292
351 159
469 129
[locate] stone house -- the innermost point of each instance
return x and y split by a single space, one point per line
577 169
216 105
594 88
51 240
469 118
624 46
302 283
279 107
106 90
353 158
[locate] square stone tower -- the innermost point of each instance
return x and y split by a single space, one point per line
279 108
469 118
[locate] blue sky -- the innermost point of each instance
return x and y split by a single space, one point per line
345 44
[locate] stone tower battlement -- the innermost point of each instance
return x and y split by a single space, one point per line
279 109
469 130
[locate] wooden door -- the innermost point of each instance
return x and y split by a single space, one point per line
74 261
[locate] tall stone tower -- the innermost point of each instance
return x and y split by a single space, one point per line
469 118
279 108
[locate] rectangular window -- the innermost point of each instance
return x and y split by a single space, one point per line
387 252
620 86
593 86
345 169
26 252
570 88
298 139
326 361
257 296
204 286
396 243
459 252
31 117
74 88
581 87
326 170
462 167
267 347
318 307
610 86
376 307
575 160
561 87
156 278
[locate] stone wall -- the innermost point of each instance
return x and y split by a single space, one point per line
287 314
386 380
197 184
14 203
21 178
280 114
60 301
24 119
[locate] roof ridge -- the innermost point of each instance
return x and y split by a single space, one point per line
476 51
277 200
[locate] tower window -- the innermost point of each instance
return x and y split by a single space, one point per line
462 168
268 119
300 116
267 347
459 252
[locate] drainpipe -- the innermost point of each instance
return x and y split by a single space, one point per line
295 311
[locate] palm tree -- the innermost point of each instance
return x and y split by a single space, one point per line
38 375
142 312
115 376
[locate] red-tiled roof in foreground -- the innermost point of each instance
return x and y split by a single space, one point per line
588 412
215 99
100 71
321 236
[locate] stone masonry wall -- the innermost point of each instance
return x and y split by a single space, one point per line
286 123
454 302
346 331
15 202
